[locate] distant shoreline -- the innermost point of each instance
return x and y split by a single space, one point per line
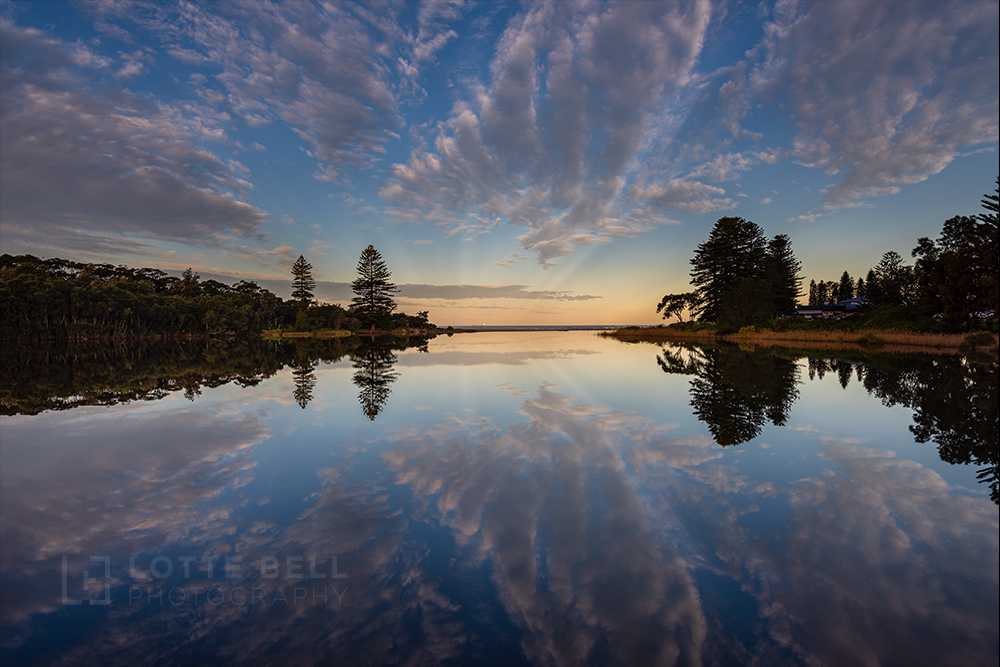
540 327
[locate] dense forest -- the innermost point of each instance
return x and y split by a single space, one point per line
57 298
62 299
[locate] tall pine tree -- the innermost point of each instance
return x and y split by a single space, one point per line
303 283
373 302
731 260
783 273
846 289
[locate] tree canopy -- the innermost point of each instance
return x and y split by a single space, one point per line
740 276
303 283
676 304
783 273
891 282
57 298
373 300
957 275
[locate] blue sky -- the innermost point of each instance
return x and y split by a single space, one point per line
514 163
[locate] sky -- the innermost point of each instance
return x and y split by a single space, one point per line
513 163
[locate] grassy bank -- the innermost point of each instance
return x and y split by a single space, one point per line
274 334
323 333
889 340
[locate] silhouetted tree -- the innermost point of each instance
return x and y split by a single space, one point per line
891 282
845 290
783 270
676 304
957 275
822 292
303 283
57 298
373 301
734 252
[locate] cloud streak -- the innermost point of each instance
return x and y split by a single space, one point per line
84 165
568 82
576 123
882 95
337 291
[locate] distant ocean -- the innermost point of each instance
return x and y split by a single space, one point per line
544 327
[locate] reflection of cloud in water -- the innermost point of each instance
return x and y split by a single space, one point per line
589 521
880 561
578 562
136 480
387 607
488 357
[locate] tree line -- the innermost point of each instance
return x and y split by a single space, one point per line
58 298
954 276
372 307
741 278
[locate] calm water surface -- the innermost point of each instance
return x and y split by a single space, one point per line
542 498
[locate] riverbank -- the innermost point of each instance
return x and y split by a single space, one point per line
887 340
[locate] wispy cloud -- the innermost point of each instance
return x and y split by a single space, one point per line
579 123
881 94
510 260
509 151
80 164
488 292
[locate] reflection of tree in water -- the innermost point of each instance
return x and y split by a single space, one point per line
306 359
374 376
305 380
955 405
735 392
954 402
60 375
957 409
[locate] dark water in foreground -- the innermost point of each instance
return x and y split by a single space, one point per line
549 498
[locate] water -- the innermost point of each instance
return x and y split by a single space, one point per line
551 498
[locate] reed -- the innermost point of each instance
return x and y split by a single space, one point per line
886 339
870 337
325 333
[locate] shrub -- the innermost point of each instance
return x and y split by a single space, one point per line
978 339
895 317
972 343
869 339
